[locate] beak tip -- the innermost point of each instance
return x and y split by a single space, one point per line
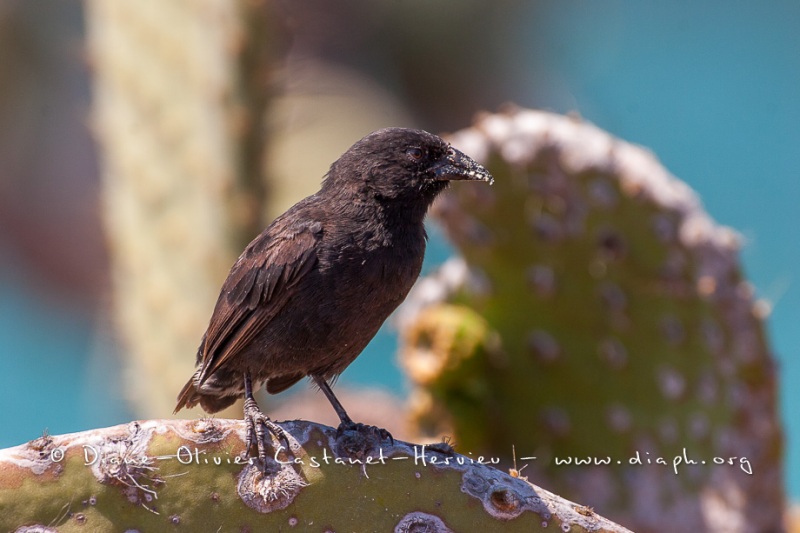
483 175
459 166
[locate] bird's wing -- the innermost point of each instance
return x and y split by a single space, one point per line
258 286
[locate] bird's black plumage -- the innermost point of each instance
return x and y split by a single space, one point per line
309 293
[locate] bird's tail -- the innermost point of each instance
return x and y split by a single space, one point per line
188 397
211 402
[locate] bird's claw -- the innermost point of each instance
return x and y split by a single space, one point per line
360 441
364 430
258 426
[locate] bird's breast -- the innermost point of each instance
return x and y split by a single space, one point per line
372 268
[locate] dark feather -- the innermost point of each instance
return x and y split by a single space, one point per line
261 285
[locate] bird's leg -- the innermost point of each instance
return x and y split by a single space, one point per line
258 423
346 421
337 405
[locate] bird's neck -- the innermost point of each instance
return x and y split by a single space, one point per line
385 223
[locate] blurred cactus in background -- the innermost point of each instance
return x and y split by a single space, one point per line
180 92
598 312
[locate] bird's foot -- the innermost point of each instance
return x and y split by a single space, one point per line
360 441
371 432
259 426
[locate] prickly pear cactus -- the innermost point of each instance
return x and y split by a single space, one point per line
598 313
180 93
160 475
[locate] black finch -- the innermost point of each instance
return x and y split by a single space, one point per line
308 294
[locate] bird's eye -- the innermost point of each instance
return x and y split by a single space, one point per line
414 153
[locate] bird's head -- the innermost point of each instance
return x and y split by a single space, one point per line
405 165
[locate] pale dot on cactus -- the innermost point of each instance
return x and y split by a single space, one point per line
542 279
632 189
619 418
612 297
672 329
675 264
762 309
602 193
727 368
543 346
547 228
668 430
763 427
556 420
724 439
706 285
664 228
613 352
737 395
713 338
707 388
699 426
671 382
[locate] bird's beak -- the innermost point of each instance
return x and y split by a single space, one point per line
458 166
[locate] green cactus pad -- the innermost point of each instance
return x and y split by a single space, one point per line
187 474
615 323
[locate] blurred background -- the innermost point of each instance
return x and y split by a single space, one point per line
712 89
